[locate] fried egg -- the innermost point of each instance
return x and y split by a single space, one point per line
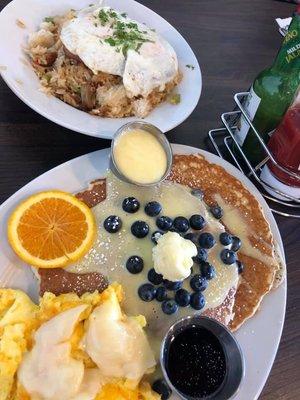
108 41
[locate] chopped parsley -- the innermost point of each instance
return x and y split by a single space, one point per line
124 15
91 5
49 19
175 99
190 66
126 35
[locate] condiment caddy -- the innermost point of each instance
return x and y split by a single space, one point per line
226 145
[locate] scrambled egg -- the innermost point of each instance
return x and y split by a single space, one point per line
20 318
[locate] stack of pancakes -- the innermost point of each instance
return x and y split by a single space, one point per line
260 274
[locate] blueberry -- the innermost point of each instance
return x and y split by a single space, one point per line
197 222
191 236
207 271
147 292
198 193
164 223
161 293
153 208
225 238
182 297
169 306
154 277
181 224
197 300
236 243
135 264
113 224
160 386
217 212
201 256
206 240
198 283
172 285
156 235
228 256
140 229
130 205
240 266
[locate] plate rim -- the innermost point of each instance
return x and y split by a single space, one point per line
105 135
184 149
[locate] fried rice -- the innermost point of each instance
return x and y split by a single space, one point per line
65 76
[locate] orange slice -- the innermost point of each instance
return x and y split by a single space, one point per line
51 229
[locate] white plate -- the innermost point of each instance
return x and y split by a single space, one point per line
259 337
20 77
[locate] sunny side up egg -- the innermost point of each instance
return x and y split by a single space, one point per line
108 41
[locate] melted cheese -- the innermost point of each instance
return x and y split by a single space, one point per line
48 372
116 343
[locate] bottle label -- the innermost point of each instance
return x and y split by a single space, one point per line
251 105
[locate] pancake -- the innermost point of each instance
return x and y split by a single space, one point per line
257 252
244 217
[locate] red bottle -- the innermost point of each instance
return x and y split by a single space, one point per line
284 144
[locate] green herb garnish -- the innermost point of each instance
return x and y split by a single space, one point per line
124 15
190 66
175 99
49 19
103 17
126 35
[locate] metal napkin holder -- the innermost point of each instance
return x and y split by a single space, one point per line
222 143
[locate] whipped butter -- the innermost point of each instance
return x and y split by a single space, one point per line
173 256
139 156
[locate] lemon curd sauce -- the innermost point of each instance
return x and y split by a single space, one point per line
140 157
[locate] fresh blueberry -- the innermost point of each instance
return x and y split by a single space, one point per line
164 223
217 212
182 297
240 266
130 205
156 235
198 193
201 256
113 224
161 293
160 386
206 240
140 229
181 224
225 238
172 285
191 236
228 256
198 283
135 264
153 208
169 306
207 271
236 243
154 277
197 222
197 300
147 292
